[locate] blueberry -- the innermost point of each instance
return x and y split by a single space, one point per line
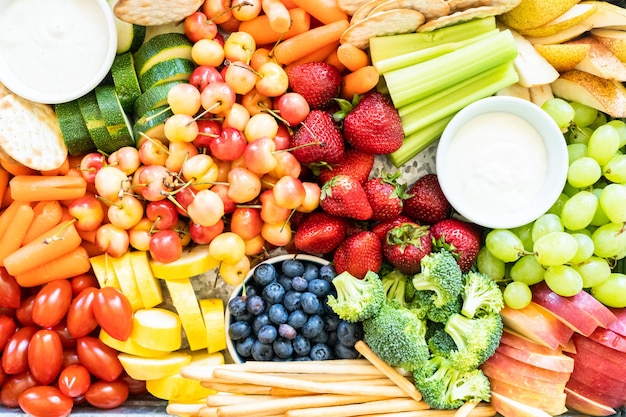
285 281
327 273
320 352
301 345
299 283
239 330
255 305
292 268
310 303
292 300
259 321
286 331
345 352
310 271
332 339
237 306
262 351
264 273
322 337
274 293
313 326
278 314
250 290
282 348
297 319
244 347
349 333
331 321
267 334
319 287
302 359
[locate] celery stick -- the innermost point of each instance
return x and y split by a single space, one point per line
421 55
384 47
414 82
454 98
418 141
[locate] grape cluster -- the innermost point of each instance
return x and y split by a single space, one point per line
283 315
577 244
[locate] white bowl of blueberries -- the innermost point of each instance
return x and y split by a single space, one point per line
280 313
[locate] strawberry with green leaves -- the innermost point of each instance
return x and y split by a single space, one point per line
460 238
405 246
386 196
320 233
317 82
358 254
355 164
427 203
345 197
318 140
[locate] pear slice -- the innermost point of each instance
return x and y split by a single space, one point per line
600 60
613 39
564 35
531 14
573 16
539 94
531 67
607 15
563 56
608 96
515 90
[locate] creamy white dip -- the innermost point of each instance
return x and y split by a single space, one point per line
498 162
53 46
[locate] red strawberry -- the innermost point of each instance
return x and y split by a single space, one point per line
355 164
358 254
318 140
427 203
386 196
320 233
343 196
381 228
406 245
373 125
459 237
317 82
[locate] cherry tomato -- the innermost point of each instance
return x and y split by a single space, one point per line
10 291
3 377
67 340
80 317
82 281
74 380
45 356
135 386
51 303
70 357
98 358
24 313
113 312
45 400
14 386
103 394
15 355
7 329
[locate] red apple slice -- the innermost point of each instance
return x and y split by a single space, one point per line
508 407
530 383
516 340
568 312
609 338
587 406
593 394
537 324
557 363
601 313
617 357
619 325
589 358
599 380
515 367
553 404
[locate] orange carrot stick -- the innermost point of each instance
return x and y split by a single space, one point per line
333 59
56 242
47 215
278 15
326 11
261 31
359 82
16 168
12 239
69 265
289 4
307 42
4 182
38 188
6 216
316 56
352 57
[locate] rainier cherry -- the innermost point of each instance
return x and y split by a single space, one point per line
152 152
126 159
163 214
90 164
273 80
246 222
110 182
197 26
259 155
289 192
203 235
236 117
277 234
240 76
88 212
125 212
139 235
271 212
235 273
165 246
184 98
204 75
293 108
261 125
200 170
112 239
239 46
227 247
245 185
311 198
207 131
229 145
218 97
206 208
179 152
181 128
207 52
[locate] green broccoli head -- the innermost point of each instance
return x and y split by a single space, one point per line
357 299
476 339
481 295
441 274
440 343
397 335
424 303
395 284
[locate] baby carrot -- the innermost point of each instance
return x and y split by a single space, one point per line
12 239
289 4
58 241
326 11
333 59
6 216
315 56
61 170
15 168
4 182
352 57
301 45
261 31
69 265
47 215
359 82
278 15
38 188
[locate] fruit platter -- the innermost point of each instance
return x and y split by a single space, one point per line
399 208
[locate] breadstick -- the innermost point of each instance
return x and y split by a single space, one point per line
383 406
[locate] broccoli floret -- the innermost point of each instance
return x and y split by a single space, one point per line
397 336
443 387
424 303
441 343
476 339
481 295
357 299
441 274
395 284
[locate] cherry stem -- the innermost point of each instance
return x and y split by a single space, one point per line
57 235
158 143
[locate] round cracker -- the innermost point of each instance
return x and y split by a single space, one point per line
391 22
155 12
364 10
460 5
458 17
351 6
431 9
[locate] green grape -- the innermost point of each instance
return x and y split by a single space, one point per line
601 119
560 111
569 190
609 240
583 115
490 265
583 172
615 169
555 248
620 125
575 151
527 270
517 295
504 245
563 280
557 207
579 210
612 291
525 234
600 217
603 144
585 248
544 224
579 135
613 202
593 271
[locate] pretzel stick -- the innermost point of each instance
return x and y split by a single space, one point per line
349 410
332 377
184 410
466 409
337 366
480 411
404 384
218 400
